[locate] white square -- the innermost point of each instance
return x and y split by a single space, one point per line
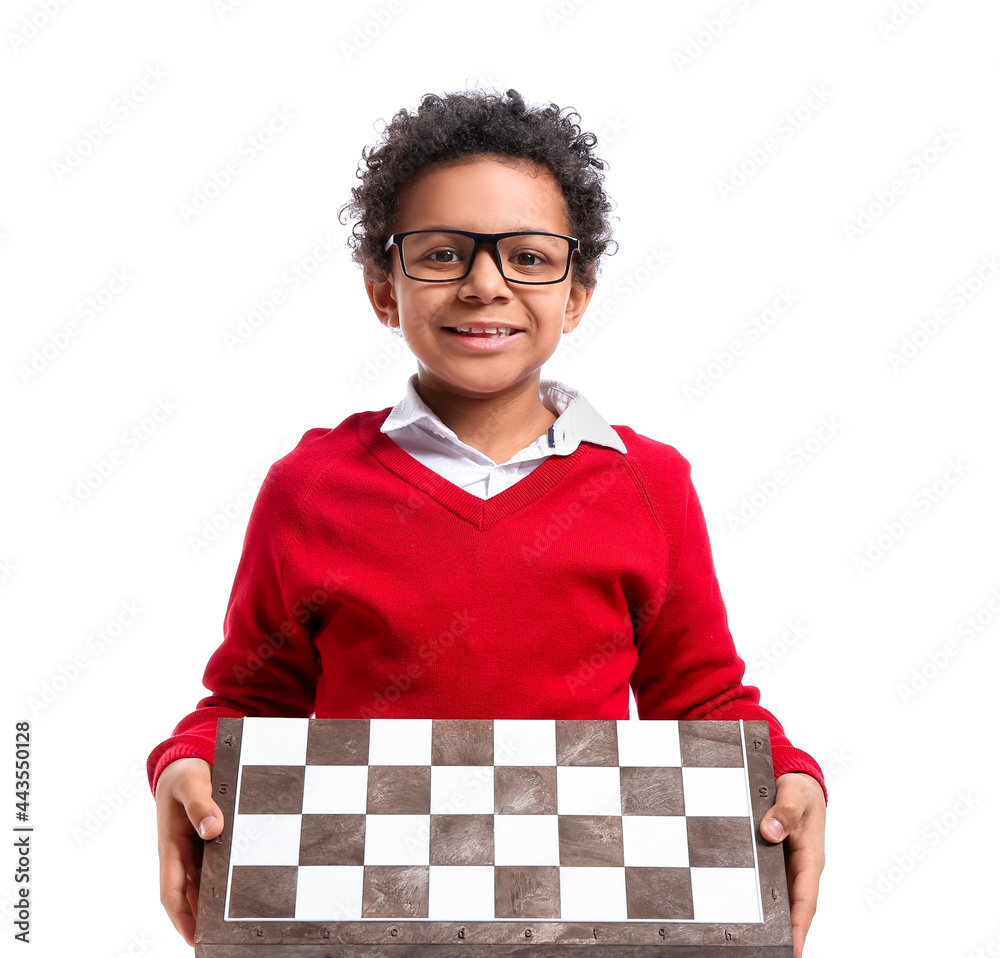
329 892
725 894
526 840
524 742
399 742
461 893
462 789
715 792
649 742
266 840
335 789
588 790
274 741
397 839
592 894
655 841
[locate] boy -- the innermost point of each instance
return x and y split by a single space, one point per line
490 547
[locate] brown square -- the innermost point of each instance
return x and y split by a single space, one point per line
271 789
461 840
652 791
395 891
710 744
526 891
659 893
337 742
263 891
399 789
586 743
462 742
332 840
524 790
590 840
720 842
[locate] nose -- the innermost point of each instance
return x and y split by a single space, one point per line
485 279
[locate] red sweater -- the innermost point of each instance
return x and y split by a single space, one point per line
371 587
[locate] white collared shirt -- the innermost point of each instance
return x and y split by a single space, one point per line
417 430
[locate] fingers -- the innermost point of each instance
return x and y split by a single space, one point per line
185 815
804 862
175 892
798 797
799 819
191 785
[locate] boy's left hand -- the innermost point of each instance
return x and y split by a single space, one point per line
799 818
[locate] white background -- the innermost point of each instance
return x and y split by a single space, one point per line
910 760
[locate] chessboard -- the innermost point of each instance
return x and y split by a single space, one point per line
426 838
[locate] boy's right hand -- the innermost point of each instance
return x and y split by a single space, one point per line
186 815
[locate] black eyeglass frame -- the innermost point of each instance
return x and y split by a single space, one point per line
486 239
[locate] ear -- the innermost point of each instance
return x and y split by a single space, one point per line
382 295
576 305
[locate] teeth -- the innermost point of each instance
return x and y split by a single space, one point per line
491 331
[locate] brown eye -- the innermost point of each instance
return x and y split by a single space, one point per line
527 259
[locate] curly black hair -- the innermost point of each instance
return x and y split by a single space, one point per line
460 125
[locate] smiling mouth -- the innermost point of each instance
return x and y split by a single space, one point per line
489 332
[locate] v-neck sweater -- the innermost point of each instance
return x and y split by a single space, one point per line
371 587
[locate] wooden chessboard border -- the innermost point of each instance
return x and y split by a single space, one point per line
217 937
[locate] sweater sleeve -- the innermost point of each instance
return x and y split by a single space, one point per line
267 663
688 667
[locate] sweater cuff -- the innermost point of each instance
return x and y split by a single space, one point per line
173 750
788 759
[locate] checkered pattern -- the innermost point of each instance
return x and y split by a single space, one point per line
346 820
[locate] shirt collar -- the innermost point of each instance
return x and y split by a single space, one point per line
578 421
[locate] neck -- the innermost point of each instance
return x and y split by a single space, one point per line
498 426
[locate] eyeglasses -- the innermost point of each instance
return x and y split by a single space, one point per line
444 256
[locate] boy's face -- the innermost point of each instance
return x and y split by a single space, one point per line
482 195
